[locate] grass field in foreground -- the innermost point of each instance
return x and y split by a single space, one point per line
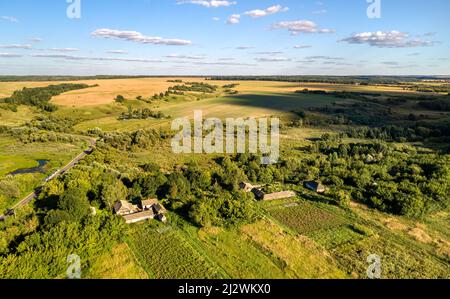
238 255
120 264
165 253
397 261
299 256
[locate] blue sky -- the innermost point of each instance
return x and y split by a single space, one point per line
220 37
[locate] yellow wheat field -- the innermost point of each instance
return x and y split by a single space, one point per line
102 94
108 89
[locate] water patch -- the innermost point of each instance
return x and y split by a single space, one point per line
37 169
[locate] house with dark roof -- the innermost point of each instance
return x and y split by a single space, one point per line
148 203
260 195
246 187
315 186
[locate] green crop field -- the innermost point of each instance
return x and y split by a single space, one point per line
303 217
165 253
298 256
239 256
331 238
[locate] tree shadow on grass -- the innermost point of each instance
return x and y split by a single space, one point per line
281 101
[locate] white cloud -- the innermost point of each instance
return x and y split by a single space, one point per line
390 62
323 58
209 4
326 30
222 63
64 49
387 39
302 47
35 39
10 19
272 59
258 13
180 56
234 19
138 37
9 55
16 46
79 58
117 52
301 26
244 47
269 53
216 19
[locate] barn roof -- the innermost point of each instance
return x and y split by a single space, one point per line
149 202
139 216
122 204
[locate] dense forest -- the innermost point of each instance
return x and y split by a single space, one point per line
364 80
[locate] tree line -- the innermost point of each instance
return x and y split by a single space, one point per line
40 96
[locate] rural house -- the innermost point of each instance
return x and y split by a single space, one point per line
159 209
148 204
279 195
246 187
161 217
149 209
123 208
315 186
260 195
140 216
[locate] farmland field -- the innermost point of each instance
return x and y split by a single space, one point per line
166 254
104 93
120 264
238 256
303 217
398 261
300 257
